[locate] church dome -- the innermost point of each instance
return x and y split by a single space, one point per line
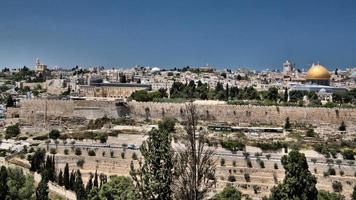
318 72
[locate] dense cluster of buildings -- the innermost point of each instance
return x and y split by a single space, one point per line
101 83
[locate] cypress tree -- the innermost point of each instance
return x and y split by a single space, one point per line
66 176
89 185
103 179
60 178
79 186
42 188
3 182
96 179
72 180
37 160
353 196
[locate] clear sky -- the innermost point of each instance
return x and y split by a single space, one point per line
166 33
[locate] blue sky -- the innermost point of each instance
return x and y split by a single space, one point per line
228 33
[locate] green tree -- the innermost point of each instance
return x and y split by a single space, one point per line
220 92
37 160
285 96
79 186
296 95
324 195
342 127
272 94
176 90
167 124
96 184
353 196
229 193
154 177
12 131
60 178
337 186
54 134
299 183
21 186
3 182
42 189
72 177
9 101
119 187
66 177
89 185
287 124
93 194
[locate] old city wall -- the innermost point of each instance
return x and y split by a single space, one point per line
246 114
36 111
33 111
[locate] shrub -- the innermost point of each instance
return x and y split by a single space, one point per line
134 156
338 162
231 178
348 154
310 133
256 189
80 163
66 151
257 154
232 145
247 177
271 146
112 154
123 155
342 173
249 163
12 131
262 164
246 154
222 162
331 171
313 160
91 152
53 151
268 156
54 134
78 151
103 153
234 163
275 166
337 186
315 170
342 127
103 137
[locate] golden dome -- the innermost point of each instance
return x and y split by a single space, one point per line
318 72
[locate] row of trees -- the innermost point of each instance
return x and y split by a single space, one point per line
204 92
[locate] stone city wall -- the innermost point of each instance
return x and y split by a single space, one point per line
37 111
245 113
31 110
